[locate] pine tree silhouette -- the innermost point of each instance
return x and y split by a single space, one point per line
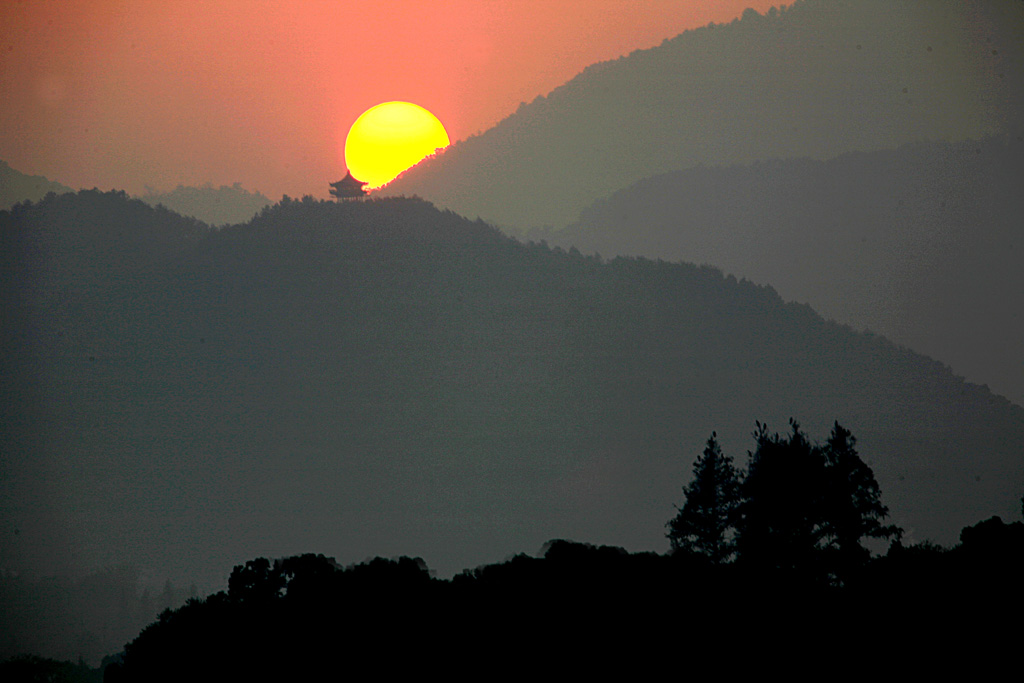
705 523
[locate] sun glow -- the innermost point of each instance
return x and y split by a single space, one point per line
389 138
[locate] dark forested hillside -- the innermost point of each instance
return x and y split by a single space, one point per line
921 244
382 378
816 79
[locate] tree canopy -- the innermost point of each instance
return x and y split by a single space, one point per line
807 508
800 507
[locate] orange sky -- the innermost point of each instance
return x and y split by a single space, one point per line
133 93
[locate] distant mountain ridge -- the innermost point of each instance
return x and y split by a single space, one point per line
817 79
16 186
213 205
380 377
922 244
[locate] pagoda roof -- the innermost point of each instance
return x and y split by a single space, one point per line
348 187
349 180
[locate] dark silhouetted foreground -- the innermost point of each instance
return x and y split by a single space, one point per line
579 606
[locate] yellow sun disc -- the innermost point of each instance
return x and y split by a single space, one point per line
389 138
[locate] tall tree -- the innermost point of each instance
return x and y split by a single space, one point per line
854 509
807 508
782 507
705 524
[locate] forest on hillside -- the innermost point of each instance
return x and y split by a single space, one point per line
775 548
380 378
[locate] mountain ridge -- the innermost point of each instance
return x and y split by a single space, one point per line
377 377
213 205
16 186
920 244
856 76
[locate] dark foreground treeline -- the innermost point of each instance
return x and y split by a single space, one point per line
581 608
577 605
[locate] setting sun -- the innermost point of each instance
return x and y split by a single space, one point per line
389 138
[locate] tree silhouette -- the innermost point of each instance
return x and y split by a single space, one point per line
853 505
256 581
705 523
782 508
806 508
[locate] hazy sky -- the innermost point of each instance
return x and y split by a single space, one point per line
125 94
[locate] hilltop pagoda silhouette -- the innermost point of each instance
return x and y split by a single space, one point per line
348 188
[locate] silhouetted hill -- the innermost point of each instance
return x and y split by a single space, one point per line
214 206
922 244
380 377
576 604
818 79
17 187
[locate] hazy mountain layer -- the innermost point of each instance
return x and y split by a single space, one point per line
381 378
214 206
923 244
815 80
17 187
